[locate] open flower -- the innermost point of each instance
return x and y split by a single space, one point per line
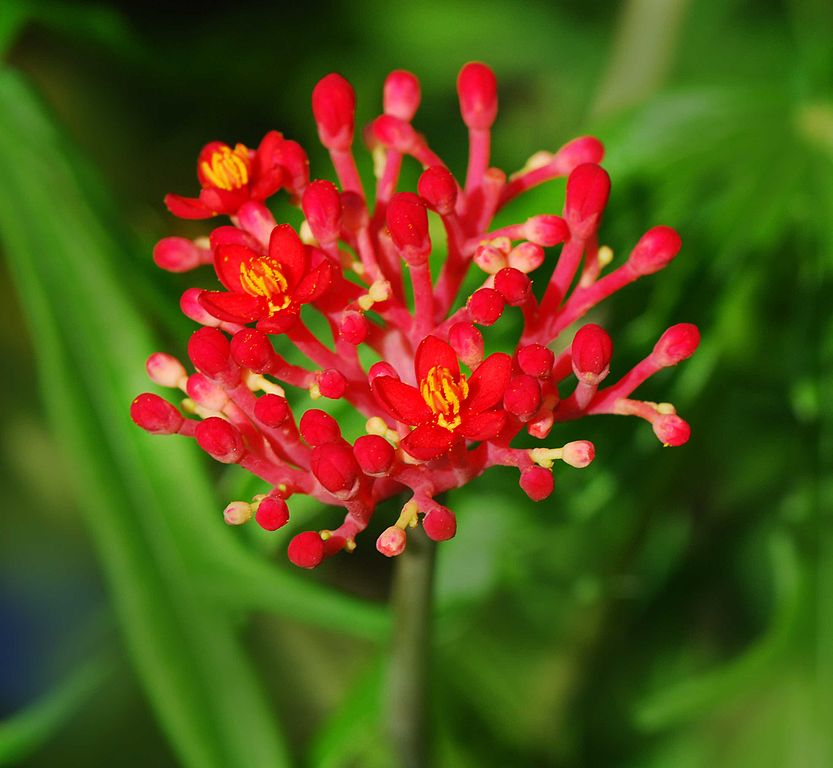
446 407
267 288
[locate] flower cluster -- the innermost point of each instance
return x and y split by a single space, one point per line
439 411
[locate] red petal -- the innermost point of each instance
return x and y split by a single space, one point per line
268 183
234 307
227 263
402 401
433 351
314 284
224 200
488 383
428 442
280 322
482 426
229 235
188 207
286 248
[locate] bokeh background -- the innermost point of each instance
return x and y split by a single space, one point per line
666 607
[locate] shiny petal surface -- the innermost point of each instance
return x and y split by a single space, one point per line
402 401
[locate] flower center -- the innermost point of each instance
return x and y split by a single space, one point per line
444 395
228 168
264 278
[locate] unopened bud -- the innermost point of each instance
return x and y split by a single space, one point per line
237 513
220 440
331 383
438 188
477 91
272 513
318 427
591 353
546 230
306 550
578 454
671 430
490 258
392 541
655 250
252 349
585 149
321 204
440 523
401 94
177 254
190 305
335 467
272 410
526 257
165 370
353 327
467 342
155 415
209 350
523 396
374 454
205 392
407 222
513 285
334 108
678 343
485 306
588 189
536 360
537 483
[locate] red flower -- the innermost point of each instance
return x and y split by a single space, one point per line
265 288
446 407
231 177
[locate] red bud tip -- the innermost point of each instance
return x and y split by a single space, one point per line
490 259
671 430
205 392
467 342
353 328
526 257
485 306
401 94
678 343
591 352
439 189
381 369
334 108
655 250
220 440
165 370
252 349
271 410
588 189
579 453
176 254
332 384
319 428
335 467
523 396
477 91
513 285
272 513
321 204
393 133
209 350
392 541
306 550
155 415
407 222
374 454
237 513
537 483
586 149
546 230
536 360
440 523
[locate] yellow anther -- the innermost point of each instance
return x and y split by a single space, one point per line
666 408
227 168
314 391
376 426
256 382
444 395
408 516
325 534
350 545
306 234
605 255
263 278
545 457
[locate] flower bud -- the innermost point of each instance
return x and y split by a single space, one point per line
306 550
381 369
401 94
272 410
334 109
220 440
477 91
252 349
321 204
537 483
585 149
439 189
671 430
678 343
209 350
526 257
178 254
272 513
513 285
536 360
256 219
523 396
165 370
588 188
335 467
155 415
578 454
546 230
374 454
490 259
392 541
354 214
407 222
296 164
440 523
485 306
353 327
237 513
591 352
393 133
655 250
319 428
205 392
331 383
190 305
467 342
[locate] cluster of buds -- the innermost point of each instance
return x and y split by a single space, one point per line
439 410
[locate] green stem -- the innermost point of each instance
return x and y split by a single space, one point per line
407 703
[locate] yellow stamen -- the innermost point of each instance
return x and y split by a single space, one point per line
263 278
228 168
444 395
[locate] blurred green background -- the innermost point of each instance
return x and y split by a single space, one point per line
664 608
